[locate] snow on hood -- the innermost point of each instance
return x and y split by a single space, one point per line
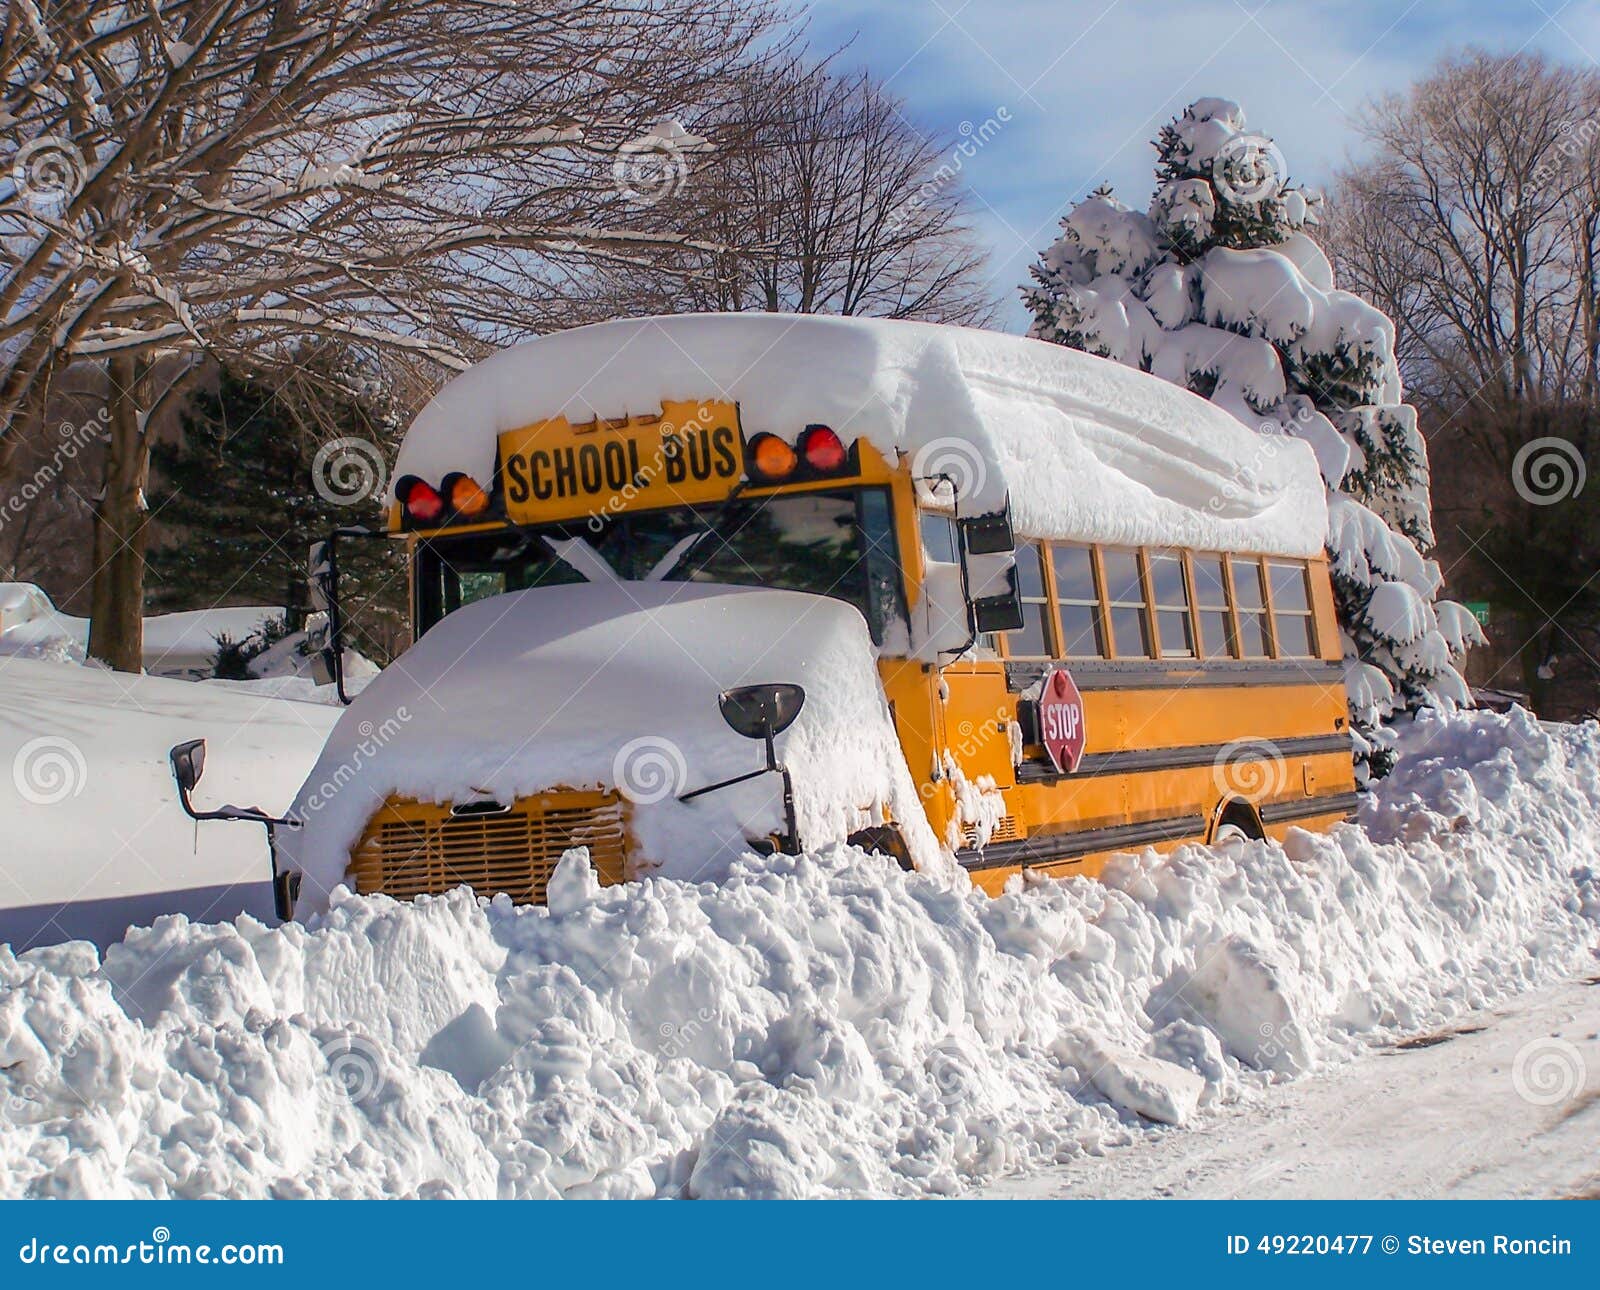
816 1025
616 685
1088 449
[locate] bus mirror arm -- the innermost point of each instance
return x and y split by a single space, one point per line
791 835
323 577
188 761
762 712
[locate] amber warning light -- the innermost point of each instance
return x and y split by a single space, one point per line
458 498
819 453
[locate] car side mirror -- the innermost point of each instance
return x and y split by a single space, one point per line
188 763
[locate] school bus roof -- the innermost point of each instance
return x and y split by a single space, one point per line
1086 449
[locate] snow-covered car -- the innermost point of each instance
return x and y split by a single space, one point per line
1022 606
180 645
32 627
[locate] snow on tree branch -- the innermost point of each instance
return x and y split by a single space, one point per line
1220 287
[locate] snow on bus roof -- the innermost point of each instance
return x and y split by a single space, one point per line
1089 450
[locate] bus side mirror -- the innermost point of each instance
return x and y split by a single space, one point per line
188 764
989 534
761 711
997 613
319 576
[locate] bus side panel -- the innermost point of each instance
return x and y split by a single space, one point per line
912 691
1326 615
993 880
1187 750
1192 724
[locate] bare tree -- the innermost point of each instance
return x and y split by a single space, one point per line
1475 224
1464 224
834 202
417 178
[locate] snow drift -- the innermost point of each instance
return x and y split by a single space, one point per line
813 1026
1088 450
180 645
94 837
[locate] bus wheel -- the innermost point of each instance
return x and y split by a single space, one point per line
886 840
1237 821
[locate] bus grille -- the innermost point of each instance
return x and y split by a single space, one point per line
416 849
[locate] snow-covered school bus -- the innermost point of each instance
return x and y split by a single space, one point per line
694 587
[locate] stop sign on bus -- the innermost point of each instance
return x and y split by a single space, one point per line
1061 724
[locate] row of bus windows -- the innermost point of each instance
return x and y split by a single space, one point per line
1105 602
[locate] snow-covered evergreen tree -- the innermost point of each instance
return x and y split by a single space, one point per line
1220 288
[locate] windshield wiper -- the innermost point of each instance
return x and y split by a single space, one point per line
578 555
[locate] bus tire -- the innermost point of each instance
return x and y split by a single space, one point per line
886 840
1236 820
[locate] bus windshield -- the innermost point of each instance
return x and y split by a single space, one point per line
829 543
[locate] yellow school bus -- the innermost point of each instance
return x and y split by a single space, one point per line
1098 606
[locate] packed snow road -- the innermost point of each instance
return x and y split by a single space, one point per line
1503 1102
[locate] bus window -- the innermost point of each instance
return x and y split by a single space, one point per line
1291 610
1174 631
481 584
880 555
1079 600
1211 604
938 537
1125 595
838 544
457 571
1247 598
940 541
828 544
1033 640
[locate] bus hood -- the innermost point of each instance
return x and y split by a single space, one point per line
615 685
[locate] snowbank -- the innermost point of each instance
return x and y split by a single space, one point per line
185 643
813 1026
175 645
1089 450
95 839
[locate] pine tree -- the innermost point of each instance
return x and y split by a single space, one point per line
237 504
1220 288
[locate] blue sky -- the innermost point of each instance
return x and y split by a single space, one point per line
1087 83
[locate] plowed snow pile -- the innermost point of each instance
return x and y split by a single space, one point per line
813 1026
